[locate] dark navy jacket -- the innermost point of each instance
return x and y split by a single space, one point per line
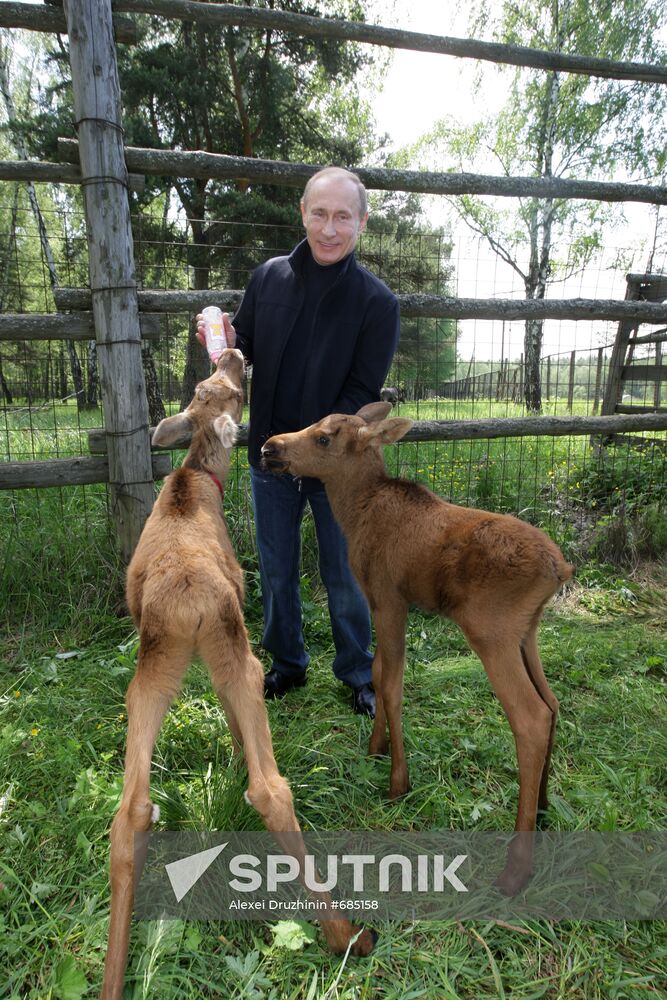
356 330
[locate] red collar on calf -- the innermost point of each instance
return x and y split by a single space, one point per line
218 484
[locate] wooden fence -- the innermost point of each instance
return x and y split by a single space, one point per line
559 380
106 169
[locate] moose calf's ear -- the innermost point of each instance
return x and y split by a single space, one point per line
172 431
386 431
373 412
226 430
394 429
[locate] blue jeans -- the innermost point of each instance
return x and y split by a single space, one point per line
279 507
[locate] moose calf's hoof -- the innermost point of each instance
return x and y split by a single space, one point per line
398 787
513 879
365 943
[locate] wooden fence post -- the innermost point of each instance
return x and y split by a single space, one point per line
104 179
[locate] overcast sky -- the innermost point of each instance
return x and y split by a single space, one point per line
444 84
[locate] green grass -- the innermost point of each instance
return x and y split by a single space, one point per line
62 730
50 430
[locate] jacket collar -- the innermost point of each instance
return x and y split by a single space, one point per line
302 250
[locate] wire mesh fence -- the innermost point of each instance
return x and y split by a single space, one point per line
443 369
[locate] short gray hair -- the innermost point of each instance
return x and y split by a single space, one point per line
342 173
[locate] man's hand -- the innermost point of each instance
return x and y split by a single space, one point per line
230 332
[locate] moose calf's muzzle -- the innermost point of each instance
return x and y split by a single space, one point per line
273 459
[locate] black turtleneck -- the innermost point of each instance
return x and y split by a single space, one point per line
318 279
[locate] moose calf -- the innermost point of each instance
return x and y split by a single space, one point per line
490 573
185 594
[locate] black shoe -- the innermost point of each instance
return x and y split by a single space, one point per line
364 700
276 684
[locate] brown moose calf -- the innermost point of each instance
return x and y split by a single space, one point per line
490 573
185 594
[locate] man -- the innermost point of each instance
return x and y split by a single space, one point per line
320 332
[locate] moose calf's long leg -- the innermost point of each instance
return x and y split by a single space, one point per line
149 696
533 664
378 744
530 719
232 721
390 623
242 688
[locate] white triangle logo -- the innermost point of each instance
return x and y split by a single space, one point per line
184 873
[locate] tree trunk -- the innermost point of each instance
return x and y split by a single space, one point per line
532 386
77 375
541 220
11 240
5 388
46 378
62 376
91 396
156 408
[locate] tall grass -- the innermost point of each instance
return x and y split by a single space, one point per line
62 734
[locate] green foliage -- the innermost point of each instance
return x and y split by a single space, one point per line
409 259
565 125
620 478
245 92
627 499
250 92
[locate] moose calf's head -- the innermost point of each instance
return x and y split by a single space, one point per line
214 412
320 449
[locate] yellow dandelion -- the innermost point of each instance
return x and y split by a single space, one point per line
34 731
17 694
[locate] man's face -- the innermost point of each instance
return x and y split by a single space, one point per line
332 220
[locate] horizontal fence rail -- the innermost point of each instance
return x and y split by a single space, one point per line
197 163
55 173
52 19
62 326
156 300
94 469
412 305
39 17
78 471
475 430
219 15
36 170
